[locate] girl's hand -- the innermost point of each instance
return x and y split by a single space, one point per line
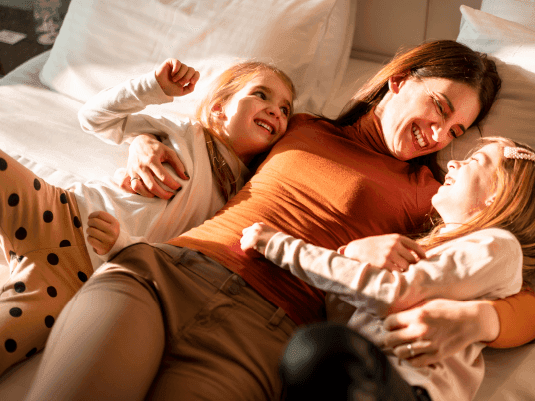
102 232
175 78
255 239
145 157
440 328
390 251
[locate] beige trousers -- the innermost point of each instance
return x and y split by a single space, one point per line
41 238
164 323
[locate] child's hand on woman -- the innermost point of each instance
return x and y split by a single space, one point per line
255 239
102 232
175 78
390 251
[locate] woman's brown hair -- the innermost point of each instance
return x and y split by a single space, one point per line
435 59
513 208
223 88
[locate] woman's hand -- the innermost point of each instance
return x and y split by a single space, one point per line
390 251
145 157
255 239
102 231
175 78
440 328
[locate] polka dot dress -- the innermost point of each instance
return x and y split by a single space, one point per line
42 239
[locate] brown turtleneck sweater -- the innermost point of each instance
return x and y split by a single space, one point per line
325 185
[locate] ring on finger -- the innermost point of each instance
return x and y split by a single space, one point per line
133 179
411 350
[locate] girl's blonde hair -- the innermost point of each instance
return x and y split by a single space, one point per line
223 88
513 208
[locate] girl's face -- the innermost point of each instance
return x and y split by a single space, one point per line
257 116
422 116
469 185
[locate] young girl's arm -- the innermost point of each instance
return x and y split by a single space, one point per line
105 235
109 114
102 231
465 269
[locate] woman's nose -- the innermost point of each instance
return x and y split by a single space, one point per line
439 133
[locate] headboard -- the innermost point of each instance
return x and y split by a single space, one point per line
382 26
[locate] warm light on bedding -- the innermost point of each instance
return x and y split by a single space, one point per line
104 42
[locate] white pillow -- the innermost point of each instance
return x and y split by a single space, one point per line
519 11
512 46
104 42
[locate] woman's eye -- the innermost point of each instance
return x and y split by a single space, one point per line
285 111
453 133
439 106
260 94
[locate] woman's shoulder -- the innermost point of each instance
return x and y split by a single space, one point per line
311 122
302 118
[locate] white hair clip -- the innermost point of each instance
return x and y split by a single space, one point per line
518 153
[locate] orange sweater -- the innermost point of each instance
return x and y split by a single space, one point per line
517 320
323 184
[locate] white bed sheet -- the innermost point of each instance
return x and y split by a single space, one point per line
55 148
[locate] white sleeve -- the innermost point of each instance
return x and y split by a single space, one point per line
122 242
483 263
109 114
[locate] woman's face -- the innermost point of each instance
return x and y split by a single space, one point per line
469 185
422 116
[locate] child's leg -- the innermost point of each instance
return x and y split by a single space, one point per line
42 239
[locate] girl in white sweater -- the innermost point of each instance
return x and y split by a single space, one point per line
42 227
480 250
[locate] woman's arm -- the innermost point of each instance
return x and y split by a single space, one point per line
516 320
449 326
440 328
149 159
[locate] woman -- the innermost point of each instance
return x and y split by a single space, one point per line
197 316
486 232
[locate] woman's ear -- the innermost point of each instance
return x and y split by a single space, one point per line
395 82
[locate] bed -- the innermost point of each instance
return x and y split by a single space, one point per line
328 47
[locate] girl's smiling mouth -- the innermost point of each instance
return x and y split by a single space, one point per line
265 125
